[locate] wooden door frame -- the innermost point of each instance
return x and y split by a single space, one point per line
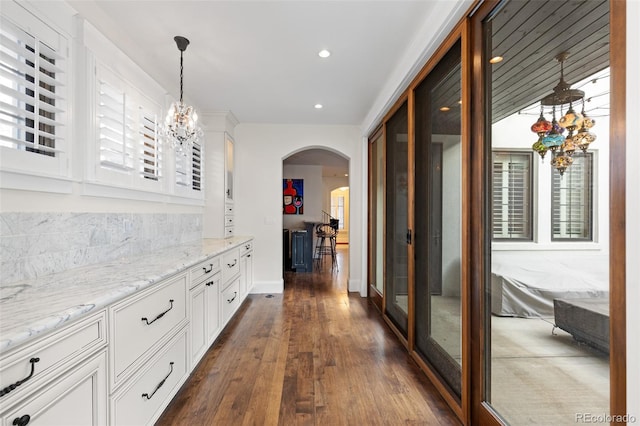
481 412
372 293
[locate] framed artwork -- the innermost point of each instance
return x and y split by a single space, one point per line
292 196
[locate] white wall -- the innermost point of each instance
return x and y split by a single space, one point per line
312 195
633 207
260 149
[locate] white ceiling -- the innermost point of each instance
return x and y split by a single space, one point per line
259 59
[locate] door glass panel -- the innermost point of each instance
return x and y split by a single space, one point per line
438 218
376 209
547 310
396 271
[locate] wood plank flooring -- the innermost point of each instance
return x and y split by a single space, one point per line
314 355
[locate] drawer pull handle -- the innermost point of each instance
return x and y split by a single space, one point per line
22 421
160 315
231 265
210 283
9 388
247 247
146 395
210 268
235 294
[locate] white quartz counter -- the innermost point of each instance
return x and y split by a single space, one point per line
30 308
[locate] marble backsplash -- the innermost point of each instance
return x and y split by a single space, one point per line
36 244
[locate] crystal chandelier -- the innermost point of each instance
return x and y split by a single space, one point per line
577 125
180 128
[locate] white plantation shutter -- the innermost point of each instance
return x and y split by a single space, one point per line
512 202
32 92
189 168
196 163
572 201
116 129
150 147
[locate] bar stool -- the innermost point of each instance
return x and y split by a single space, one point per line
325 244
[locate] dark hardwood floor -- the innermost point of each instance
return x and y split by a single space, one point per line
314 355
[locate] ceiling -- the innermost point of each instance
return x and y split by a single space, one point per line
259 59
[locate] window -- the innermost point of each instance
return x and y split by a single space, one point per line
337 210
115 129
151 149
32 93
572 201
512 196
189 168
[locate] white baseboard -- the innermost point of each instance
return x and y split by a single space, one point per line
267 287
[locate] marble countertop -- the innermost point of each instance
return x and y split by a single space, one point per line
30 308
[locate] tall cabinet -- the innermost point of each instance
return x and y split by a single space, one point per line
219 164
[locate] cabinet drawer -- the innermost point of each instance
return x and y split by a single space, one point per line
204 269
78 397
143 321
228 231
246 248
230 300
228 220
230 265
144 397
228 209
52 352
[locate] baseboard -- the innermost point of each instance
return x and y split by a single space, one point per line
355 286
267 287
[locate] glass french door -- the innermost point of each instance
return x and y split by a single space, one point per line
438 218
396 287
537 366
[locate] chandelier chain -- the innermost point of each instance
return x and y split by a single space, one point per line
181 72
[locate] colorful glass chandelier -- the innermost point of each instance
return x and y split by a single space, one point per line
577 124
180 128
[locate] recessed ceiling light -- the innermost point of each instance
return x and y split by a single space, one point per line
324 53
444 108
318 106
496 59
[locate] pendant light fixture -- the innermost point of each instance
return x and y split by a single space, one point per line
550 134
180 128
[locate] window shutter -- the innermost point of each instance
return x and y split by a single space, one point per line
183 166
150 148
31 93
512 196
116 129
572 201
196 168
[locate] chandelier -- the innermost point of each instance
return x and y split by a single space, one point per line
180 127
551 134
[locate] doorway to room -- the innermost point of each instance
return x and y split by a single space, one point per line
315 193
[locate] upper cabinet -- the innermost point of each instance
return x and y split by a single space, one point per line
228 167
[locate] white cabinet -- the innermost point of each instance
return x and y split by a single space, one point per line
143 398
219 189
60 379
246 268
143 322
205 318
79 397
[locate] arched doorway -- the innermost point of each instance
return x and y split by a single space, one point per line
313 173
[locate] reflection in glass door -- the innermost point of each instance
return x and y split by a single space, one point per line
396 253
438 218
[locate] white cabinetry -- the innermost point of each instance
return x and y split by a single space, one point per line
219 163
60 379
246 268
122 365
205 319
